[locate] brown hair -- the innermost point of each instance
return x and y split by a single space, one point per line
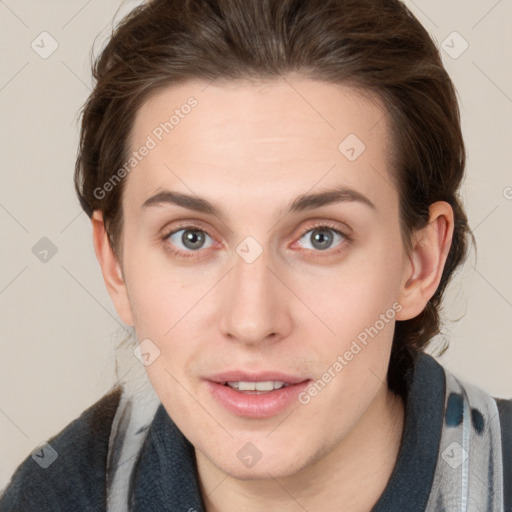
377 45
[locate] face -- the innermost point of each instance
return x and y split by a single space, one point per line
261 244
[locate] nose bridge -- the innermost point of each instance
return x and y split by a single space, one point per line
252 309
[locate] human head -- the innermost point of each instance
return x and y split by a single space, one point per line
377 45
263 116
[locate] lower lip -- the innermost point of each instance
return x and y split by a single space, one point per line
251 405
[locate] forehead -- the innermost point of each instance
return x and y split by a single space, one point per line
267 140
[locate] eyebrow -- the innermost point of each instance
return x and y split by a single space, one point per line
303 202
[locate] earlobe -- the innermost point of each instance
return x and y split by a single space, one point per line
111 269
426 261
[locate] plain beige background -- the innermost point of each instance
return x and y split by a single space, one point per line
58 327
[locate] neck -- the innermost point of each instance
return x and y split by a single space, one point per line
362 461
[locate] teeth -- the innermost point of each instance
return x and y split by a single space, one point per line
247 386
256 386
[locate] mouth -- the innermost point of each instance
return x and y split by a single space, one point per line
256 395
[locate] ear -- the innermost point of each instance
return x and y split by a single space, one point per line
424 268
111 269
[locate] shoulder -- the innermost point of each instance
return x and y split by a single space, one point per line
75 460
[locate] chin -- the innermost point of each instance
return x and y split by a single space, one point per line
264 471
246 462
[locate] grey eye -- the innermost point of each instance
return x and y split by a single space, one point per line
321 238
191 239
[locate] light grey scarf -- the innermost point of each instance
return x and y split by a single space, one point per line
468 476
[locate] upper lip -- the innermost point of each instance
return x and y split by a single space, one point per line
244 376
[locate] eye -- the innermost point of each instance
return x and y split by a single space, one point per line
321 237
190 238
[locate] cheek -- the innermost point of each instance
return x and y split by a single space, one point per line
156 304
167 304
359 305
352 297
158 300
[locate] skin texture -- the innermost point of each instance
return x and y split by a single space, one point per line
251 149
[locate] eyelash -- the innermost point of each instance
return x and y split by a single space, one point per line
189 254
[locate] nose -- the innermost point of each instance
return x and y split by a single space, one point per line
255 303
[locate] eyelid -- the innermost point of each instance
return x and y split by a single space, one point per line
167 231
316 224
